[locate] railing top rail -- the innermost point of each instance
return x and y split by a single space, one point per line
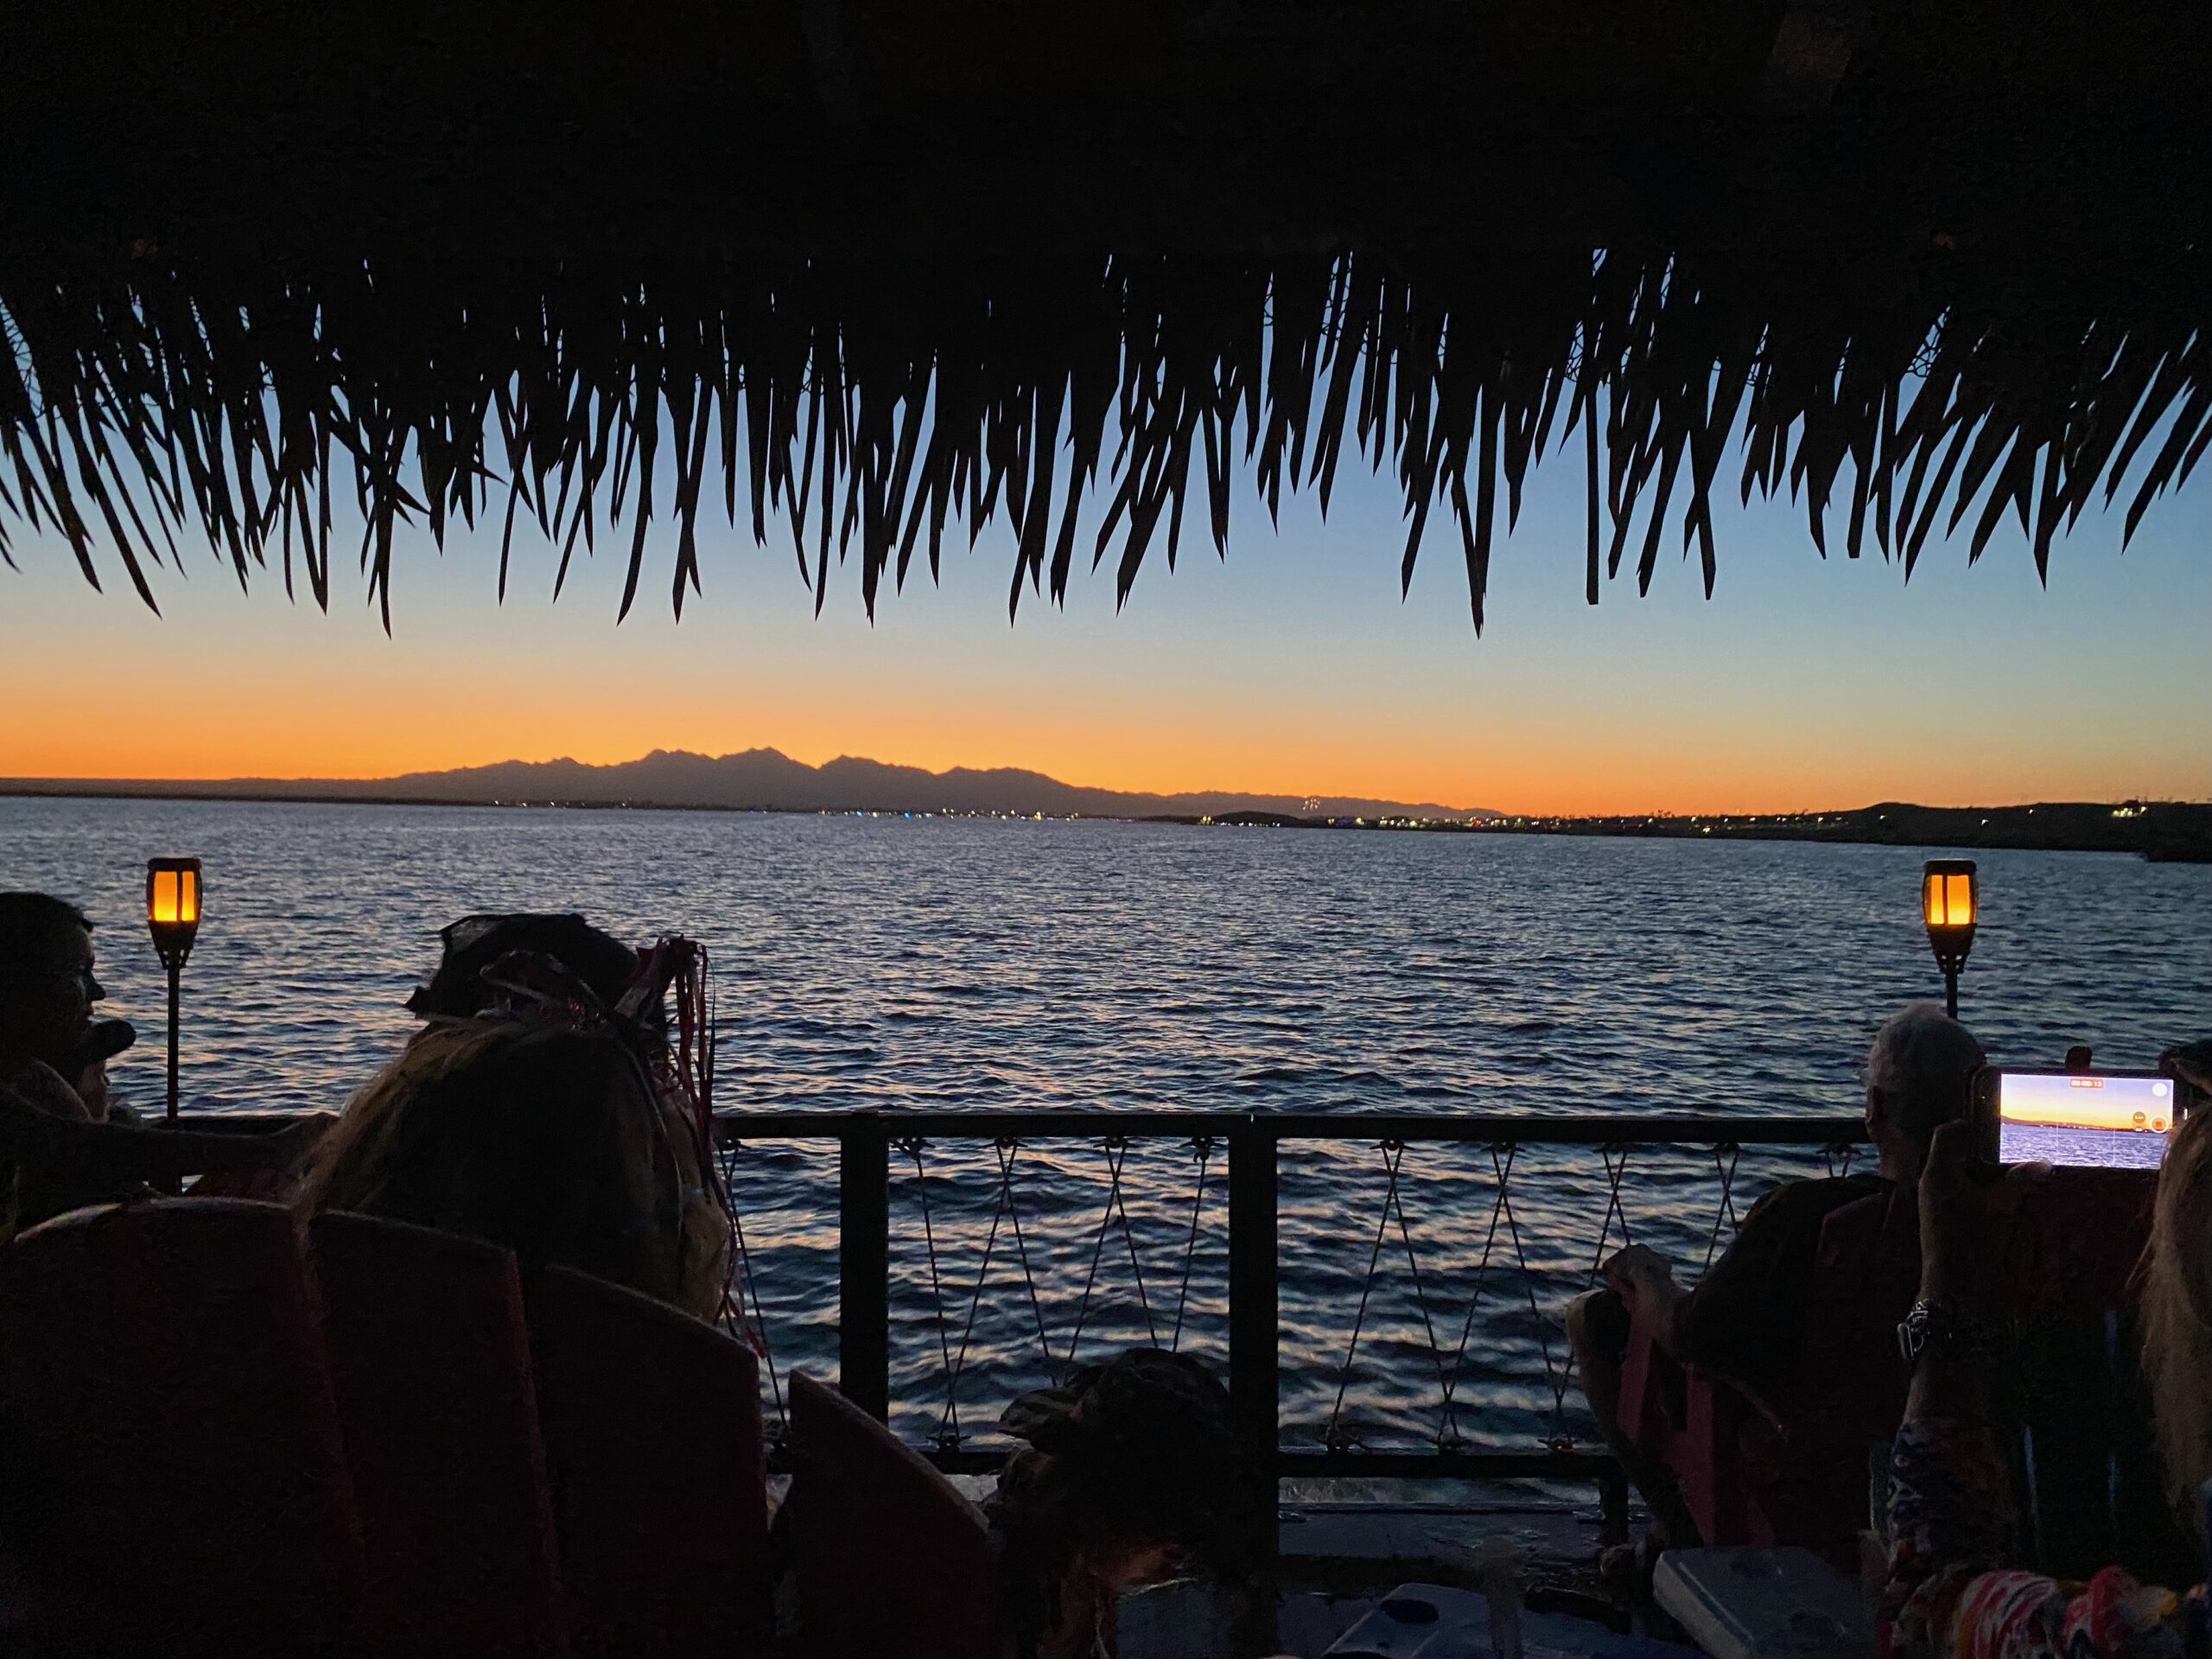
1627 1129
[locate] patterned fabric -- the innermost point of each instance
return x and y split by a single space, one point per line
1948 1596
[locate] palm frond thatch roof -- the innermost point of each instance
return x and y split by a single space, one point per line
857 315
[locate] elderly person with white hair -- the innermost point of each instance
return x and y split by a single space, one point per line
1744 1319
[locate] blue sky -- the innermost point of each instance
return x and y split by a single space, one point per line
1294 667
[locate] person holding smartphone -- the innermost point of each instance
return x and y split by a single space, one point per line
1745 1318
1950 1594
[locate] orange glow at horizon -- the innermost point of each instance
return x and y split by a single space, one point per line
355 734
2085 1103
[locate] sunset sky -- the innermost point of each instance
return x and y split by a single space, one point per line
1293 668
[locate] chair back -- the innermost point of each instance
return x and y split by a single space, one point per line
892 1562
1869 1256
2077 1241
651 1424
2072 1408
1865 1274
431 1355
173 1446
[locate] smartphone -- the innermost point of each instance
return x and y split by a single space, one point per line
2096 1120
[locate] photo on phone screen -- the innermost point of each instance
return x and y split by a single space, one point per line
2099 1121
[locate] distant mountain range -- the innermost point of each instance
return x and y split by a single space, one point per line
757 778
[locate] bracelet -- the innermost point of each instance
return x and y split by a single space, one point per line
1964 1337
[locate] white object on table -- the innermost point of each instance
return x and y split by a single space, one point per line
1765 1604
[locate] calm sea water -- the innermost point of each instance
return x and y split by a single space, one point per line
936 963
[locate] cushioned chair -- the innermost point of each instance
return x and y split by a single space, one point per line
173 1476
1791 1466
651 1423
431 1355
892 1562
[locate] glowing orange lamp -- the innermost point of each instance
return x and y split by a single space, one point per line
172 918
1949 903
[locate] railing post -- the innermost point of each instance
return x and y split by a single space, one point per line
864 1263
1252 1399
1612 1505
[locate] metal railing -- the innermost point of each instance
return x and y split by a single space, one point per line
1251 1145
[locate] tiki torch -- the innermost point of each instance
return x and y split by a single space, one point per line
172 918
1947 902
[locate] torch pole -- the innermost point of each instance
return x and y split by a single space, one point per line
176 973
1950 1006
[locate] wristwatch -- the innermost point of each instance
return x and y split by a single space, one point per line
1961 1337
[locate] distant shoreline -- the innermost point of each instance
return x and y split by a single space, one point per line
2161 831
2179 832
751 779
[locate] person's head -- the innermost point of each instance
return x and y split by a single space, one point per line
1919 1077
594 958
47 986
1130 1469
2177 1311
547 1140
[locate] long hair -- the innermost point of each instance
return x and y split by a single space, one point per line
2177 1313
550 1141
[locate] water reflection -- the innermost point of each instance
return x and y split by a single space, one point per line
940 963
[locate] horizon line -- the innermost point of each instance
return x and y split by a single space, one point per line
339 788
239 790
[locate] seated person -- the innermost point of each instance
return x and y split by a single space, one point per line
545 1123
1744 1319
57 1152
1951 1522
1129 1476
46 993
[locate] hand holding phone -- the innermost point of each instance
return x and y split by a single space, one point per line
2189 1064
1969 1208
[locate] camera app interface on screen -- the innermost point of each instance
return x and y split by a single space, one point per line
2115 1122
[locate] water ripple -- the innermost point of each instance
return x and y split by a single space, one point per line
922 963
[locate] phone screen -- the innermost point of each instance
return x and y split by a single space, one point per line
2098 1120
